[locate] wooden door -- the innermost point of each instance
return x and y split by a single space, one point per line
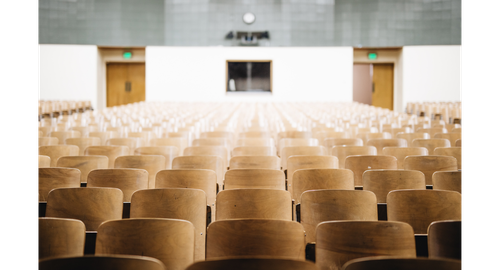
125 83
383 85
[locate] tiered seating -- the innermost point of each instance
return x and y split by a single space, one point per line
264 183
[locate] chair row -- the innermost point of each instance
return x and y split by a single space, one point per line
172 241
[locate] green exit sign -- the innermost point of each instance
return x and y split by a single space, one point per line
372 56
127 55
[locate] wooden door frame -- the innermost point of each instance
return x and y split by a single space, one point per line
386 56
114 55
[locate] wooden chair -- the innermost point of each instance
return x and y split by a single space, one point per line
444 239
169 240
127 180
288 142
342 152
409 137
110 151
63 135
381 182
57 151
366 136
317 206
180 143
458 143
255 162
218 134
169 152
203 179
45 131
331 142
144 136
51 178
310 162
452 137
277 239
212 142
252 264
338 242
359 164
456 130
151 163
254 134
396 131
83 163
103 135
311 179
109 262
430 164
432 131
394 263
254 178
253 151
322 136
213 163
44 141
447 180
219 151
431 144
455 152
300 151
43 161
83 143
60 237
84 130
402 152
90 205
131 143
255 142
420 208
175 203
380 144
253 204
294 134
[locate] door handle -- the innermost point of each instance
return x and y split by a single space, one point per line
128 86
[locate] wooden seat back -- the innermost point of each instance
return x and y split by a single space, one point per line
338 242
409 137
60 237
151 163
83 143
452 137
253 204
63 135
110 151
214 163
317 206
180 143
51 178
255 142
131 143
342 152
254 178
175 203
126 179
169 152
447 180
366 136
57 151
420 208
83 163
359 164
278 239
444 239
104 136
380 144
43 141
107 262
295 163
219 151
311 179
90 205
255 162
402 152
43 161
331 142
300 151
381 182
287 142
254 134
430 164
431 144
253 151
455 152
169 240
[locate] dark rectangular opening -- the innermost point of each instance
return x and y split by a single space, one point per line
249 76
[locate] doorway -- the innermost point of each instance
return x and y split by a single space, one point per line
373 84
125 83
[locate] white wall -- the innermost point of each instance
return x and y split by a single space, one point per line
431 73
198 73
68 72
